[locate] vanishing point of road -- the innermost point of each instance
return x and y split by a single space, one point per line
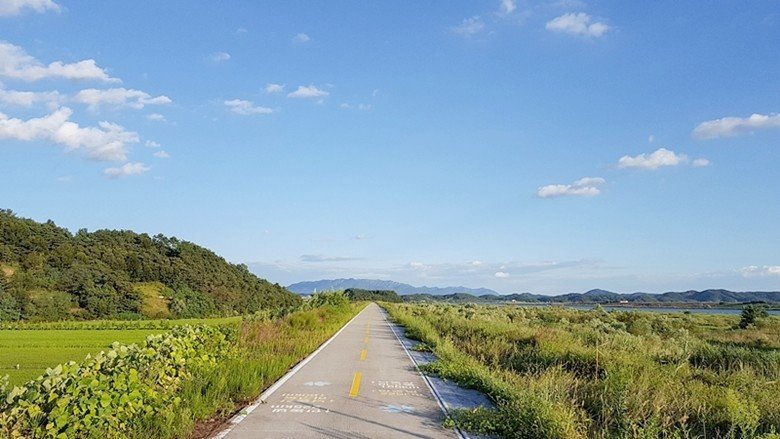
360 385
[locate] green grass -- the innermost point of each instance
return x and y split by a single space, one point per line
25 354
567 374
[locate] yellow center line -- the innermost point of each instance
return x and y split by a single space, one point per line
363 355
365 339
353 391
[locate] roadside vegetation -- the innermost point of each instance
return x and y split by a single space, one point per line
177 384
562 373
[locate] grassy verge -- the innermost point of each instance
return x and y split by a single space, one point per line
266 351
174 385
558 373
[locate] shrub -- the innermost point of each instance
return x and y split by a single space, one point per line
109 393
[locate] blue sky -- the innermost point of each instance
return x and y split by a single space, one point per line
522 146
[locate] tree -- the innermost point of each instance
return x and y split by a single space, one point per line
751 314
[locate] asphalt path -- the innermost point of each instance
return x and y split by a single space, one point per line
362 384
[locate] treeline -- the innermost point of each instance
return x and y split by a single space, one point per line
49 273
358 294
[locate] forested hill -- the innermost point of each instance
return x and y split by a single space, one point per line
47 272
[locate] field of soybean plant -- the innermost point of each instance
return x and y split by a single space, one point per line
181 381
561 373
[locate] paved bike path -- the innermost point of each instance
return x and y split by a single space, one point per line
361 385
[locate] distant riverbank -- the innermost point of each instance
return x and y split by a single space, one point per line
694 309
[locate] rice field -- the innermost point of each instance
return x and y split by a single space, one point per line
27 350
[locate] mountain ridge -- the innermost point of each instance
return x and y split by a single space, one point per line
308 287
484 294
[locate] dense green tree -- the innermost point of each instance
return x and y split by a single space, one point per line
97 271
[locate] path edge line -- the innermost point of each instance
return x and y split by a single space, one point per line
241 415
434 392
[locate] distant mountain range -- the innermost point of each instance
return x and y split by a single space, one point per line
374 284
463 294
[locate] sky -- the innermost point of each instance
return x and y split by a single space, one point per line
542 146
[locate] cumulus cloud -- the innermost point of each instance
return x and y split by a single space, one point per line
761 270
15 63
584 187
10 8
577 24
152 144
107 141
161 155
301 38
304 92
470 26
125 170
118 97
661 157
29 98
732 126
700 163
219 57
508 6
501 274
274 88
156 117
246 108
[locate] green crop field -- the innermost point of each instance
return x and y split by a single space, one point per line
27 350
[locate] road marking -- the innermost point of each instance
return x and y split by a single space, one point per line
265 395
353 391
436 396
363 355
365 339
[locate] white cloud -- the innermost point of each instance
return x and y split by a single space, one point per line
323 258
308 92
29 98
118 97
245 108
732 126
508 6
655 160
125 170
765 270
274 88
470 26
14 7
161 155
157 117
301 38
577 24
501 274
107 141
219 57
152 144
584 187
700 163
360 107
17 64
